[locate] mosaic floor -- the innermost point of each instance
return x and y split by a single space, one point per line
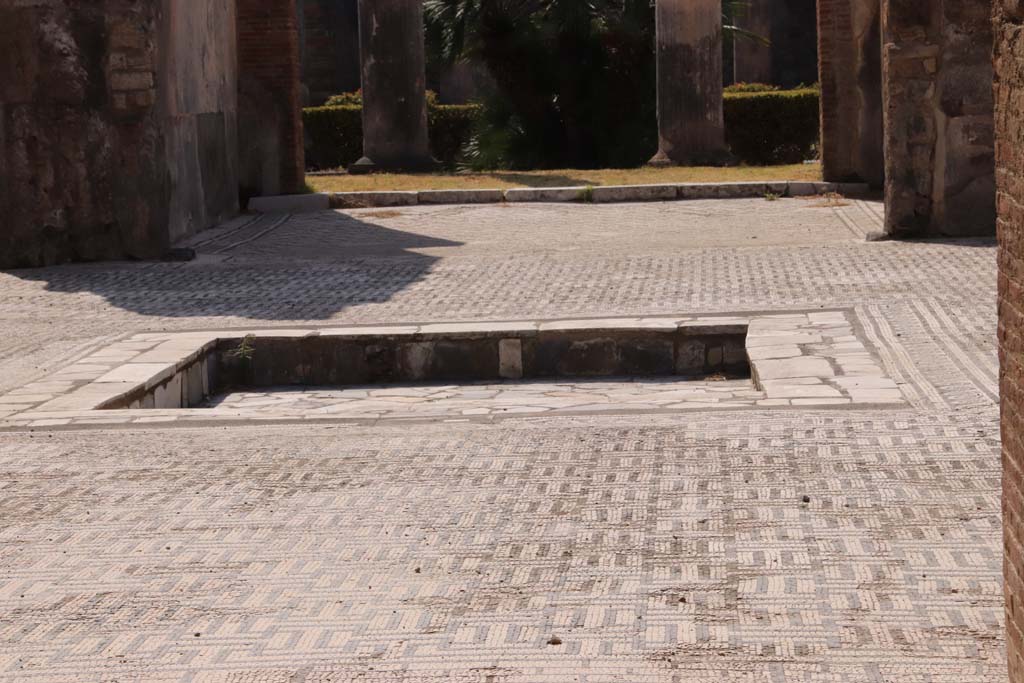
760 544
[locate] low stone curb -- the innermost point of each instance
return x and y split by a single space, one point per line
546 194
796 360
603 194
461 196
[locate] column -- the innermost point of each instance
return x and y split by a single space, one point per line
691 129
394 78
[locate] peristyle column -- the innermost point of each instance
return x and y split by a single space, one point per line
391 47
689 55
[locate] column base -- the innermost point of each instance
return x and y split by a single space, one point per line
721 157
366 165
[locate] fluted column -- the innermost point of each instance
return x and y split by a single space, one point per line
391 46
690 120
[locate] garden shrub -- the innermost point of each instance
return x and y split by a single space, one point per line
334 134
356 98
750 87
772 127
450 128
767 127
345 99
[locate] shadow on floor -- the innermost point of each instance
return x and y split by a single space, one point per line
272 268
531 180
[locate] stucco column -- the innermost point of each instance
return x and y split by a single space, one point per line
391 47
752 59
690 120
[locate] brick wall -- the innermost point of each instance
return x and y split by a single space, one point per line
1009 123
937 75
271 154
850 73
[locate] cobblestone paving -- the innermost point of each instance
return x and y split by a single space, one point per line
771 545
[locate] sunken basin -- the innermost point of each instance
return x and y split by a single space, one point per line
445 353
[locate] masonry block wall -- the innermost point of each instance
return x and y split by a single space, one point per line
329 39
850 68
937 76
270 144
1009 123
99 158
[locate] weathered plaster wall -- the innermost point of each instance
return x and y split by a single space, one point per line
270 142
794 43
87 145
752 60
937 94
790 58
850 67
1009 124
199 110
329 39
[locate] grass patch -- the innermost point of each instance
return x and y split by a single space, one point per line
562 178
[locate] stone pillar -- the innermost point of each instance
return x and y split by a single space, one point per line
752 59
691 129
270 142
937 90
850 73
1009 132
391 45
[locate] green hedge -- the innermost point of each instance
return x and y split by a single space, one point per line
761 128
335 134
772 127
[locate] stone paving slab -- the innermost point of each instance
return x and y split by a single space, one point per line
483 400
